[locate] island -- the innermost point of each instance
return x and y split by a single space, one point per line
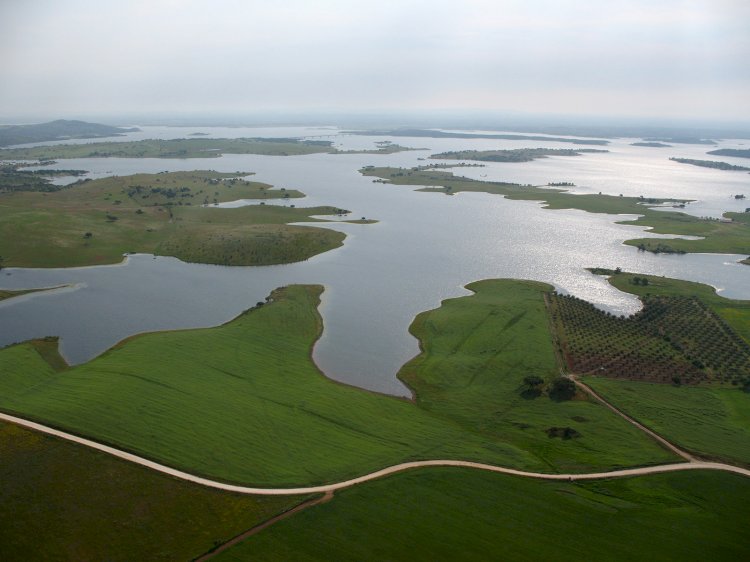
58 130
735 152
513 155
651 144
187 148
97 221
710 164
436 134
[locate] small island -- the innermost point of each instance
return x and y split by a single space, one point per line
651 144
734 152
711 164
513 155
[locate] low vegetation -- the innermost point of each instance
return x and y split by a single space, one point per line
96 222
457 514
61 501
514 155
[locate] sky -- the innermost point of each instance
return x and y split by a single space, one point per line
629 58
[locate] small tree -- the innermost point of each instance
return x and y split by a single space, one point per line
562 388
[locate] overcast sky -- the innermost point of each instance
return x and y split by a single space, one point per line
663 58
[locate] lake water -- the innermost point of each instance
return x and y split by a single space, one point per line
425 248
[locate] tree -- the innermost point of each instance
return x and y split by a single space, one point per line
562 388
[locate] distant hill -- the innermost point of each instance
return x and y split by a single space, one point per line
57 130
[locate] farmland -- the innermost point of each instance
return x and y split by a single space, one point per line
458 514
64 501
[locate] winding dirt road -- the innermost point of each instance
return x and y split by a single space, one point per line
326 488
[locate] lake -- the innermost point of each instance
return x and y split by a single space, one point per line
425 248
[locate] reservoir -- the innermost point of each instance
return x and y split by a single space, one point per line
425 248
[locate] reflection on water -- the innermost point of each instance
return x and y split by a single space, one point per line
424 249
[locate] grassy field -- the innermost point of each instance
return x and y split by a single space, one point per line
60 501
711 422
96 222
244 402
476 352
454 514
719 236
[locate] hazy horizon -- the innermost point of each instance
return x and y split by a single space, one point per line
677 62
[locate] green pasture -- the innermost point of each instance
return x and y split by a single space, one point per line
708 421
61 501
459 514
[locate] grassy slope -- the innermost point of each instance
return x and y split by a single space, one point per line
47 229
444 514
713 422
60 501
244 402
476 352
720 237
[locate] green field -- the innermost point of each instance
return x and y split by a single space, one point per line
96 222
719 237
710 422
61 501
458 514
476 352
244 402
